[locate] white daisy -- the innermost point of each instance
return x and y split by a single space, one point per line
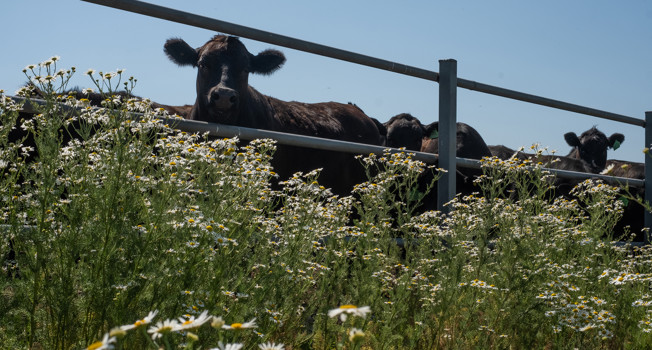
230 346
239 326
343 310
105 343
161 328
144 321
271 346
193 322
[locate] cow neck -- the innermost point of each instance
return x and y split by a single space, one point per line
257 112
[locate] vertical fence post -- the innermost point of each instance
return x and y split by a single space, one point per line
447 131
648 172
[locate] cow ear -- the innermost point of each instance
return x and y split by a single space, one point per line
615 140
267 62
179 52
572 139
431 130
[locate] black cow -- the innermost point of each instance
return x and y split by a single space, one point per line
632 219
592 147
95 99
563 186
504 152
547 161
405 130
18 135
469 142
225 96
633 211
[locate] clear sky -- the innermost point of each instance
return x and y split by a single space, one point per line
594 53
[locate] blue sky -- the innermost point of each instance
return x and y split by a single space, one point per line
594 53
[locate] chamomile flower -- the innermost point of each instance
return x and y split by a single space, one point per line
192 244
271 346
239 326
161 328
193 322
344 310
356 334
147 320
217 322
228 346
105 343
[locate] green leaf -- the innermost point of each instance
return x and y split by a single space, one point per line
415 195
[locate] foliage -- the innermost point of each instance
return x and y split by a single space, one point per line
121 231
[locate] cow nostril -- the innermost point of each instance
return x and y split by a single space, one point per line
215 96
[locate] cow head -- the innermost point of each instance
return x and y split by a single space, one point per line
404 130
223 67
592 146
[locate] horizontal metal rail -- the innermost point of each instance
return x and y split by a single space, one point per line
190 19
566 174
543 101
182 17
221 130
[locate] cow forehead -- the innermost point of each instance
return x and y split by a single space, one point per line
596 141
223 45
593 134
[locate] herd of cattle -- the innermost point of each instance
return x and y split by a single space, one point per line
225 96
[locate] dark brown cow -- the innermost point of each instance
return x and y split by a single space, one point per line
633 212
504 152
592 147
563 186
405 130
548 161
624 168
95 99
225 96
632 219
18 134
469 142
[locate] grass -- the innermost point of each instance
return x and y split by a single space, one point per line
134 235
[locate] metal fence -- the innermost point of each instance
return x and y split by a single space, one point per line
448 84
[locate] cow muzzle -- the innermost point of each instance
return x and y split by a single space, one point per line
222 98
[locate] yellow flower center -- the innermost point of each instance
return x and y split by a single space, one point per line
95 345
236 326
348 306
139 323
